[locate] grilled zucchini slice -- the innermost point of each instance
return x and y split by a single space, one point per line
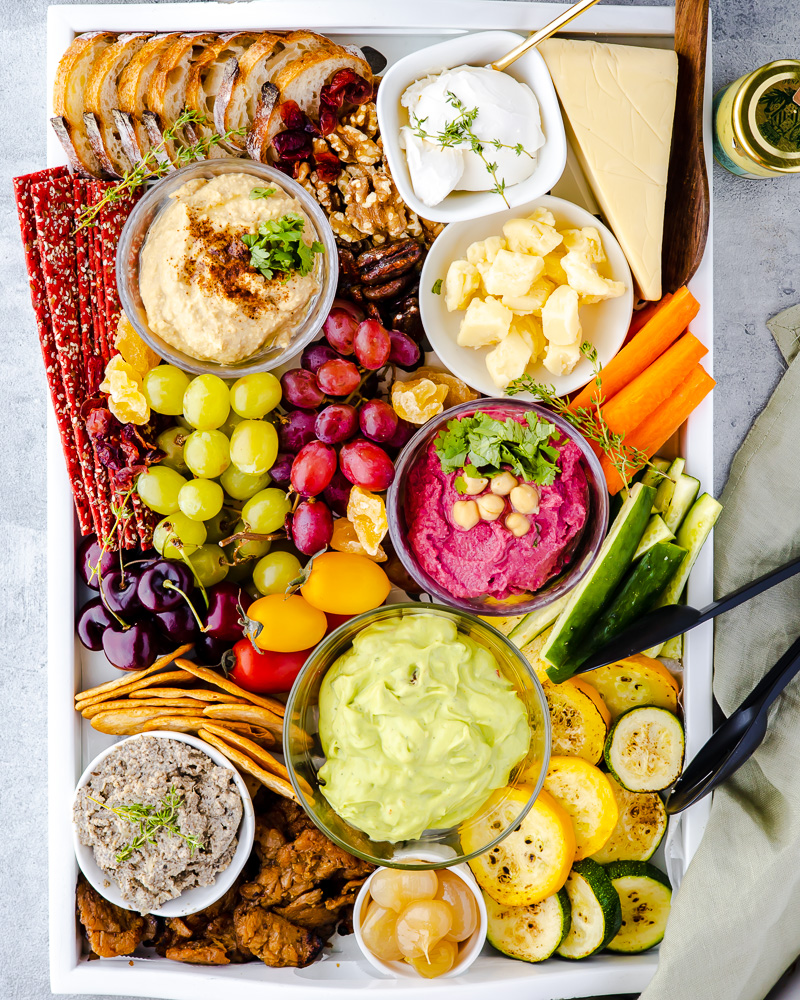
640 828
636 680
645 896
583 790
644 750
529 933
579 720
596 912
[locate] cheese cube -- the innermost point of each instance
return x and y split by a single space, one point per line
597 254
512 273
530 327
476 252
553 269
560 359
576 239
485 322
530 236
509 359
583 277
533 300
543 215
462 282
560 320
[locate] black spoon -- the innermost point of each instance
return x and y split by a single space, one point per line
675 619
736 739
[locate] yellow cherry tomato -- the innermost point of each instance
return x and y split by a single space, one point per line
343 583
290 623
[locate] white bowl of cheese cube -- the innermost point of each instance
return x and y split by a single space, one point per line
520 291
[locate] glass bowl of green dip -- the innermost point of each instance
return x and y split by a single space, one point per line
417 726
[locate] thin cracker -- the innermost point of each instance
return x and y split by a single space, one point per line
253 714
212 677
123 682
165 703
125 723
201 694
259 755
244 763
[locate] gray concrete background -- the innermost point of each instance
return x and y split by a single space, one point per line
757 257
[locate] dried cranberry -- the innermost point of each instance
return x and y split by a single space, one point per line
293 117
293 145
346 87
328 120
328 166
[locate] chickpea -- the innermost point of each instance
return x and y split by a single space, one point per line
466 514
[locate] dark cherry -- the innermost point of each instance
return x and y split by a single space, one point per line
86 561
153 592
93 620
222 620
133 648
178 625
209 649
121 590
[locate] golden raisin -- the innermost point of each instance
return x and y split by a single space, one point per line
133 349
418 400
457 391
123 384
345 539
367 513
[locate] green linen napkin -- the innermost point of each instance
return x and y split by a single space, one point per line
735 921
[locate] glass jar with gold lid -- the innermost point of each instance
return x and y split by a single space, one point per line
757 122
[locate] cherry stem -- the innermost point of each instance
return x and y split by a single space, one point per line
169 585
253 536
193 571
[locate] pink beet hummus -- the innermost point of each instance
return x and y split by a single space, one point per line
487 560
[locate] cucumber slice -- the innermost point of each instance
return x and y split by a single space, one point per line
673 648
667 485
536 622
596 910
640 828
645 896
587 599
644 750
530 933
653 474
692 534
655 532
683 496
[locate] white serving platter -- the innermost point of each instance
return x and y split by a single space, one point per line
394 29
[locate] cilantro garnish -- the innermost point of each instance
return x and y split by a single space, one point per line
482 446
259 192
437 287
278 247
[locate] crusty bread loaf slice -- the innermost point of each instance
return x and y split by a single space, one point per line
132 87
101 97
240 76
74 70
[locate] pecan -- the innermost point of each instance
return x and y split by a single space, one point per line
406 317
389 289
347 265
379 265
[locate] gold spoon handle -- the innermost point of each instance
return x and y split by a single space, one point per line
537 36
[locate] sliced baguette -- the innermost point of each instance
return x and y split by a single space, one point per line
132 87
101 97
242 79
74 70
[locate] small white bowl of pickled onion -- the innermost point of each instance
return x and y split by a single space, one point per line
409 907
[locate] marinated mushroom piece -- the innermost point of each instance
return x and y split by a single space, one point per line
111 931
204 938
276 941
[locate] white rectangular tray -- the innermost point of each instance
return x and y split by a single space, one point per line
394 29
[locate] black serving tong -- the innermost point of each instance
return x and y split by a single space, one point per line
736 739
664 623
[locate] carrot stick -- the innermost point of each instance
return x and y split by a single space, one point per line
645 314
639 398
661 424
648 344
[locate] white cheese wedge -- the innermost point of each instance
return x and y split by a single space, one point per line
619 102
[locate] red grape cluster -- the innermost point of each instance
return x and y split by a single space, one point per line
339 434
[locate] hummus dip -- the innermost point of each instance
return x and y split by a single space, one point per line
198 288
488 560
151 779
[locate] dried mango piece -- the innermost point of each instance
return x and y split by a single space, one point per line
123 384
418 400
457 391
133 349
345 539
367 512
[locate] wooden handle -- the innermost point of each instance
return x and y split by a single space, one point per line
539 36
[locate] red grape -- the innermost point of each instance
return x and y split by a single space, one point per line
300 388
296 431
404 432
377 420
338 377
340 329
313 468
404 351
312 527
282 469
336 423
350 307
372 344
337 494
366 465
315 355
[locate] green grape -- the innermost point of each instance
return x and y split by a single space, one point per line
241 485
171 442
178 535
274 573
266 511
230 423
184 423
254 446
251 589
209 564
159 488
207 453
241 571
201 499
163 388
221 525
246 548
206 402
253 396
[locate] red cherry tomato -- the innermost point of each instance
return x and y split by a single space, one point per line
264 671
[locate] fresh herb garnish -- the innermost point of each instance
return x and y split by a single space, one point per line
437 287
278 247
590 421
150 820
483 446
459 131
259 192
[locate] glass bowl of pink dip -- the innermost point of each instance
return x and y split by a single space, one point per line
452 567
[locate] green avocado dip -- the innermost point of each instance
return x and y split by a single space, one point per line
419 727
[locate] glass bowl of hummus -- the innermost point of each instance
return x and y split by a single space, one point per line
226 266
497 544
416 730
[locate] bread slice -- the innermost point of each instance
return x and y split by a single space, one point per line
132 88
74 70
101 97
242 79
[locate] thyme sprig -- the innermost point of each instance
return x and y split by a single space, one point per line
589 420
459 131
156 163
149 821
